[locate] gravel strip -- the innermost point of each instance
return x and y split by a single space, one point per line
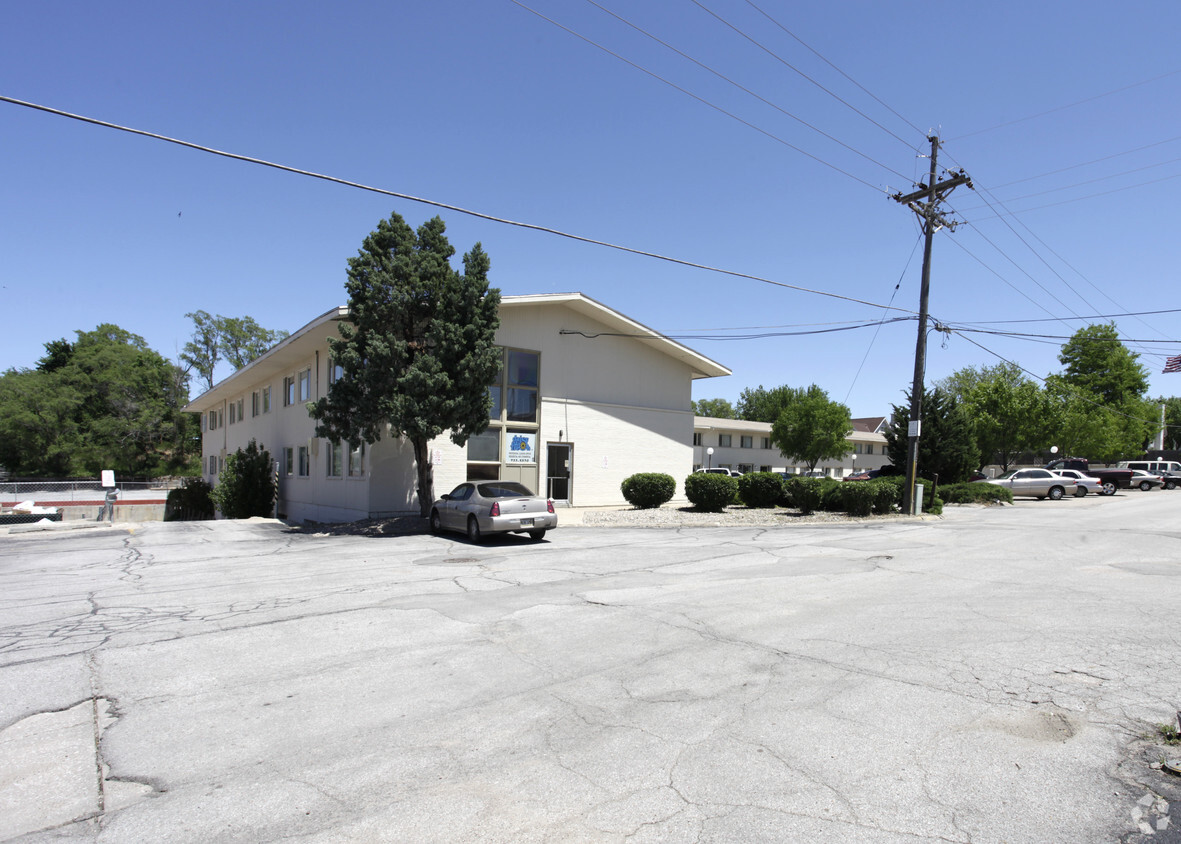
736 516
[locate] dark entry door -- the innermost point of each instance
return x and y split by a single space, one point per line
559 461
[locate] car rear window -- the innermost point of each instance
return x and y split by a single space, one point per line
505 489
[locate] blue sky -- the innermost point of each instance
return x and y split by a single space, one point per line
487 106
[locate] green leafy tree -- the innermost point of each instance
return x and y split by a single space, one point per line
947 446
763 405
1172 421
716 408
811 427
417 350
1083 425
1011 412
111 402
203 351
1097 363
242 340
246 486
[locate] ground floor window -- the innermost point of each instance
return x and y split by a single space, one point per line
335 458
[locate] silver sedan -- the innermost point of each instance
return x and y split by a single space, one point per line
1035 483
482 507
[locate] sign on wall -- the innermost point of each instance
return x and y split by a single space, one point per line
522 448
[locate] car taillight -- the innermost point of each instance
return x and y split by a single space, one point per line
495 511
549 505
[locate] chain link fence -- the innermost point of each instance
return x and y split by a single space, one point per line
31 500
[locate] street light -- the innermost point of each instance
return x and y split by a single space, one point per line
709 457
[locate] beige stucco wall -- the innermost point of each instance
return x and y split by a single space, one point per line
622 403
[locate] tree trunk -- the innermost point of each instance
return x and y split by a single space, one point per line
426 476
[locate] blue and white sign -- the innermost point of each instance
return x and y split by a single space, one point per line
522 448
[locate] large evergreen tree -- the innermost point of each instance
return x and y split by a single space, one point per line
947 446
417 350
811 427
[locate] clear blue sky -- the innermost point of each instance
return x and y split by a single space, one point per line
487 106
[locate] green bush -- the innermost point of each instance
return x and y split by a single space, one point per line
190 502
886 496
246 486
975 493
710 492
830 495
857 498
761 489
647 490
803 493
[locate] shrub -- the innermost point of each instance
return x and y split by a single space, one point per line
190 502
857 498
246 486
886 496
975 493
830 495
710 492
803 493
647 490
761 489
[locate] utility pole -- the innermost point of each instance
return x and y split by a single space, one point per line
933 194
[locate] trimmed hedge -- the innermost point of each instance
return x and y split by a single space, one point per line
977 492
804 494
648 490
710 492
761 489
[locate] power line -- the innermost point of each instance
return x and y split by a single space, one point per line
724 337
1088 163
446 206
699 99
1068 105
1090 317
743 88
792 67
1081 184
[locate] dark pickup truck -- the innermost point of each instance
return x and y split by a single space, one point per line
1112 479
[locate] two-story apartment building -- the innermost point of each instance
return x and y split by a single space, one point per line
586 397
746 447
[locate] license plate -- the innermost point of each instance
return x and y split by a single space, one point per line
526 523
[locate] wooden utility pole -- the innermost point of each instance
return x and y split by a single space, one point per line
933 193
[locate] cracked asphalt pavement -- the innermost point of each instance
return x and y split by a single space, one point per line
992 676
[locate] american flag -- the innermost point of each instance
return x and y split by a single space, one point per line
1173 364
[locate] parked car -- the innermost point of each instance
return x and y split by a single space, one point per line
1172 479
866 475
1146 480
1085 483
1155 467
720 471
485 507
1112 479
1035 483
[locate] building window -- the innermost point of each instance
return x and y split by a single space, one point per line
288 391
724 442
748 442
522 386
857 448
266 399
766 442
335 371
255 404
204 422
289 461
335 459
697 439
305 385
357 461
213 464
869 448
233 418
304 466
746 468
513 400
213 420
764 468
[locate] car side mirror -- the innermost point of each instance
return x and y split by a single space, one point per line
446 496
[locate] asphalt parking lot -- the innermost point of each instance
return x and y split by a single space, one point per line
990 676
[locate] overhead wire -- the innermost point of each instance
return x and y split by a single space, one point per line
444 205
1087 163
743 88
699 98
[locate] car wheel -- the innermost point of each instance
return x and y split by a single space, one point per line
1080 492
473 529
1170 485
1145 486
1109 487
537 535
436 522
1056 493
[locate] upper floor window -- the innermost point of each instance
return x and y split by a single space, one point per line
335 371
766 444
288 391
697 439
357 461
723 441
748 442
266 399
335 459
305 385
